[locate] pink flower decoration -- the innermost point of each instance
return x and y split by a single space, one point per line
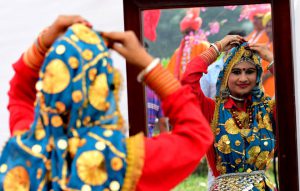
203 9
249 11
233 7
214 27
151 19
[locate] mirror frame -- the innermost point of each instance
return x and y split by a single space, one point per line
286 114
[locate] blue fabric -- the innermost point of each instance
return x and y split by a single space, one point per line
75 140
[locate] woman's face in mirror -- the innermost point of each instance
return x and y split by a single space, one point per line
242 79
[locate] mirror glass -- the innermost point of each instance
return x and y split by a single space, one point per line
176 36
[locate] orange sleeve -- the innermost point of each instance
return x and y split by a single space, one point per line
22 89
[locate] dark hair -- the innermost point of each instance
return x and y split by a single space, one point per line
237 32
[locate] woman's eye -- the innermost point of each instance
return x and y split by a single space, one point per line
250 71
236 72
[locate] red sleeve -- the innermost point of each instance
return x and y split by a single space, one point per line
169 158
191 77
21 96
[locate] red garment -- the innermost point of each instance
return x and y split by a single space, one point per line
168 158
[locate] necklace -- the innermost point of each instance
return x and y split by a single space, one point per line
238 121
236 98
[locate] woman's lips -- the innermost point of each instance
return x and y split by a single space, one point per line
243 85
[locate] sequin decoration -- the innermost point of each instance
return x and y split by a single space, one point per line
77 96
56 78
39 131
17 179
91 168
224 145
73 62
87 54
231 127
116 163
56 121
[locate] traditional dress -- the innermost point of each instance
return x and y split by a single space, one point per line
75 139
244 137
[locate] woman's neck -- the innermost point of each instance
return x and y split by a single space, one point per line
239 101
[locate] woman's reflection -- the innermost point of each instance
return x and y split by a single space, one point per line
241 116
250 120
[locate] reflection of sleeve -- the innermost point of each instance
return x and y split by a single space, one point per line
169 158
192 75
21 96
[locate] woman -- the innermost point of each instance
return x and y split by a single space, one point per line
75 140
241 116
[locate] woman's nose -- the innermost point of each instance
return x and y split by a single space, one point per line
243 77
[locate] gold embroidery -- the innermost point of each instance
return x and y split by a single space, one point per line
116 163
56 78
73 62
231 127
262 160
98 93
87 54
77 96
253 152
224 145
85 34
40 132
56 121
91 168
17 179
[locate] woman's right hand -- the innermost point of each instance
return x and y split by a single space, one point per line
230 41
127 44
59 26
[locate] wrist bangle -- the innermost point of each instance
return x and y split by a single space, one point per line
216 48
270 66
150 67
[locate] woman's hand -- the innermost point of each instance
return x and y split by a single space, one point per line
230 41
264 52
127 44
59 26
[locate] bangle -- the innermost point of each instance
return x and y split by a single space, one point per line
150 67
269 67
216 48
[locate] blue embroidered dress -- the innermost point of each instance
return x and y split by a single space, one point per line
74 141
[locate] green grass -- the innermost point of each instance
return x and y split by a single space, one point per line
192 183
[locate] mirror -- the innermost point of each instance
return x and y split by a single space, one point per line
178 35
286 124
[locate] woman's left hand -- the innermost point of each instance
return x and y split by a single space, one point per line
264 52
230 41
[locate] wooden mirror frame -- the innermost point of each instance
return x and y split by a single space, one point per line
285 93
